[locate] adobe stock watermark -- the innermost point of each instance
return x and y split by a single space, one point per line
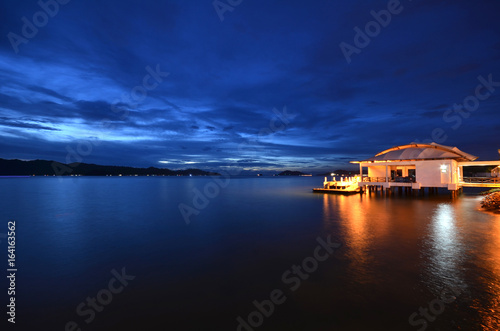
29 29
483 91
292 278
372 29
222 6
130 100
211 190
434 308
93 305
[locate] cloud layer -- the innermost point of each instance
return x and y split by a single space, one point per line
170 84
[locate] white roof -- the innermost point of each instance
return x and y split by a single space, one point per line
415 151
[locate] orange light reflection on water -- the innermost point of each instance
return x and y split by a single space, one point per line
358 230
491 313
433 245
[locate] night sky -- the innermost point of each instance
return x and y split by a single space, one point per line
256 85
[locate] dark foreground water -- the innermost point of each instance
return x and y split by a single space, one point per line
403 264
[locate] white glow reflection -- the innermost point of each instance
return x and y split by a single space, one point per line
446 250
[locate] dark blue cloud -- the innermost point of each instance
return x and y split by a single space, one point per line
168 84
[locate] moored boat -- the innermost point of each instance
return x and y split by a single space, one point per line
346 185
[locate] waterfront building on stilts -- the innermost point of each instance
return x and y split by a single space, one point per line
414 167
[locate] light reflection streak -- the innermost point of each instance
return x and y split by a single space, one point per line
355 231
446 251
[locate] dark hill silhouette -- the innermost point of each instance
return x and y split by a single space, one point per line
291 173
43 167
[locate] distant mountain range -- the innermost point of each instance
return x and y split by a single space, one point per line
50 168
291 173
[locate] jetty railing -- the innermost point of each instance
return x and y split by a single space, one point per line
481 180
374 179
389 179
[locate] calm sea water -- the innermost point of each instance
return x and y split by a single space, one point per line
430 260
